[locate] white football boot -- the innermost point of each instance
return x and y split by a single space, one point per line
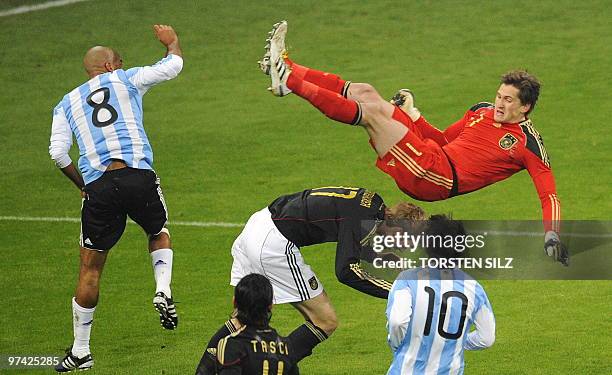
264 63
277 68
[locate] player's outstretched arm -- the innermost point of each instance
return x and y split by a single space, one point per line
348 268
164 70
538 166
167 36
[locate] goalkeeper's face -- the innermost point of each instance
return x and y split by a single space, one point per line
508 106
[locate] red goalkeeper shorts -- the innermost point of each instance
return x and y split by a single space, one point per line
419 167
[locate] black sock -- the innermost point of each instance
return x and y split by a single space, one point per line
208 363
305 338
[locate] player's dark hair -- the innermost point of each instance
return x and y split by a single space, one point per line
527 84
253 296
441 226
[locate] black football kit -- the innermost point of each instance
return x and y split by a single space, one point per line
346 215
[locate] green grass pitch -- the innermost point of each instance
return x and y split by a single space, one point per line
224 148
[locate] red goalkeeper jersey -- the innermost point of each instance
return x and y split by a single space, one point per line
483 151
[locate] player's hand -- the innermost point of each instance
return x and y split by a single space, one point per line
553 247
404 98
165 34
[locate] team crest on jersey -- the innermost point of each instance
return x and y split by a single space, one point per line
507 141
314 284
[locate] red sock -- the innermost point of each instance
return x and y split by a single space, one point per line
328 81
332 104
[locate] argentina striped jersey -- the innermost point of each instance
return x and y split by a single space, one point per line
430 313
106 117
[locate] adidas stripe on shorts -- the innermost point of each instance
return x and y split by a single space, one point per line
261 248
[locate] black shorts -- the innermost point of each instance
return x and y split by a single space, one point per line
119 193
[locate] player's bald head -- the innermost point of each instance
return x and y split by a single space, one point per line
100 59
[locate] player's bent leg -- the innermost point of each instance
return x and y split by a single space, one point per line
363 93
88 287
321 322
160 240
330 103
420 168
329 81
320 311
161 259
384 131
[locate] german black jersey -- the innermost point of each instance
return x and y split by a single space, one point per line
346 215
254 350
318 215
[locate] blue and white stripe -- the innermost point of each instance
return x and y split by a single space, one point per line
431 354
125 139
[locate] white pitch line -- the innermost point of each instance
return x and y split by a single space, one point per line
32 8
220 224
539 234
205 224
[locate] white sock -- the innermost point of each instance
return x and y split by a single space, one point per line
162 269
82 320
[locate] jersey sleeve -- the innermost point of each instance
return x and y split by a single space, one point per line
348 267
208 363
230 355
148 76
536 162
484 321
61 138
399 312
455 129
429 131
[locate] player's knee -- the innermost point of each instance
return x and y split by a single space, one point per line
163 233
89 278
91 268
375 113
331 324
363 92
160 240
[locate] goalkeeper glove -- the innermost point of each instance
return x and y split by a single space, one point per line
554 248
404 99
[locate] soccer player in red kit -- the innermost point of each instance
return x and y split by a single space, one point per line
490 143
